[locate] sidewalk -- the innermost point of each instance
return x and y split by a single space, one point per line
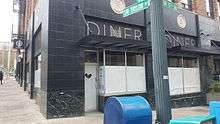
15 105
17 108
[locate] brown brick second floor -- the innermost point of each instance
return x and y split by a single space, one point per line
208 8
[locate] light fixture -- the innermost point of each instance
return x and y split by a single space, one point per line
22 50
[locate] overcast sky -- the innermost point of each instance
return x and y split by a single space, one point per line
6 14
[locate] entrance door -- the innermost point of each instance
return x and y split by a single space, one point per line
90 87
90 77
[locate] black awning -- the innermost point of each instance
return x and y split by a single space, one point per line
97 41
196 50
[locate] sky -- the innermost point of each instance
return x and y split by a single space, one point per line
6 20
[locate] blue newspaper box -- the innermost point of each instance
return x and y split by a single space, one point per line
214 110
127 110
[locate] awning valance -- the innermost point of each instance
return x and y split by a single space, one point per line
105 42
196 50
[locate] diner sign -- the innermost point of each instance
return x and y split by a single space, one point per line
113 29
174 40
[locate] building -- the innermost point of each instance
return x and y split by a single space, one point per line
80 52
7 57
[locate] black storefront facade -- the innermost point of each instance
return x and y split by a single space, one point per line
79 53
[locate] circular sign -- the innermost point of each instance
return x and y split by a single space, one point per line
19 43
181 21
118 6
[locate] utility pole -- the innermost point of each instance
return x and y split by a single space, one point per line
160 65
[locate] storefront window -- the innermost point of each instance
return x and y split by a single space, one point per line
209 8
175 62
217 67
190 62
186 4
135 59
218 4
185 62
27 67
37 62
101 58
90 57
115 58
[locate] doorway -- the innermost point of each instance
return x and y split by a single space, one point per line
91 79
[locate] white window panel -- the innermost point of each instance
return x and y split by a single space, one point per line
115 79
184 80
175 81
136 81
191 80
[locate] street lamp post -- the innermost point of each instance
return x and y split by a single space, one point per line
160 65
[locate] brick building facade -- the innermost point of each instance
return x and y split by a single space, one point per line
26 10
200 7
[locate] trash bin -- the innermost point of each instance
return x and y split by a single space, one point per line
127 110
214 110
194 120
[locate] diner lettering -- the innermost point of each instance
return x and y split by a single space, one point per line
174 40
136 33
114 30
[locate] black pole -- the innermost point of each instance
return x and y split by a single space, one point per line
21 72
17 71
32 68
160 66
25 70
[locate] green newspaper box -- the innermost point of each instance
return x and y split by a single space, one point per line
194 120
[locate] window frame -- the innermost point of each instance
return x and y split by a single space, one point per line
107 61
218 4
179 60
136 63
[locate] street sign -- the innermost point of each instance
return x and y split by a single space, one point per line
144 4
137 7
169 5
18 44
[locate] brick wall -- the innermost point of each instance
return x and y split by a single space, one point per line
199 7
30 5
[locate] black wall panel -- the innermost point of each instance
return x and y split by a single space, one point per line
65 60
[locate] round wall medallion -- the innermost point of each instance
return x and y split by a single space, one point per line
19 43
118 6
181 21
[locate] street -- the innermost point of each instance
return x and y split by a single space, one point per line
17 108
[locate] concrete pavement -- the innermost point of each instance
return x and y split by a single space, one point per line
17 108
